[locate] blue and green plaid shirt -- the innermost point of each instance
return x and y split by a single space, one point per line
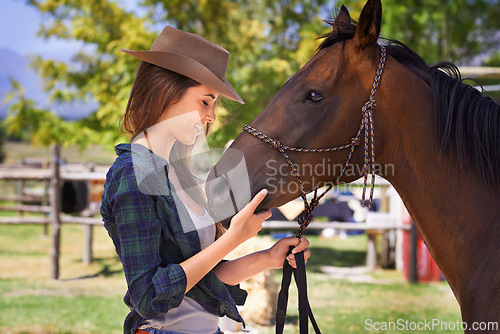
141 216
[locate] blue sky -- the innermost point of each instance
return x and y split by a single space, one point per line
18 26
19 23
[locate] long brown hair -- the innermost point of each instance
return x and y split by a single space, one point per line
154 90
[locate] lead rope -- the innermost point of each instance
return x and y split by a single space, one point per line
305 217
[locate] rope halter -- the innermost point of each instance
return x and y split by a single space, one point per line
305 217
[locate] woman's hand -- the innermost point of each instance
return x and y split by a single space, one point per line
278 252
246 224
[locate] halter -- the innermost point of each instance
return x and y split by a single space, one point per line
369 161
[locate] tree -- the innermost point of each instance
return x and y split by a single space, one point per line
262 36
441 30
42 126
269 40
493 60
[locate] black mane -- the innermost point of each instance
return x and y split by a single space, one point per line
467 122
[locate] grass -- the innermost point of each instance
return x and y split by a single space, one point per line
344 307
340 253
88 299
341 306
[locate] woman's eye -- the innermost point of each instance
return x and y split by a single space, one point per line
314 97
205 103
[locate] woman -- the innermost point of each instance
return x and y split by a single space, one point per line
154 210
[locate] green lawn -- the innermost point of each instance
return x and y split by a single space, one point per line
88 299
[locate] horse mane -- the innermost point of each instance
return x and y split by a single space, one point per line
467 122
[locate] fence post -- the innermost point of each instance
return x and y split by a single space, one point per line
87 250
55 209
88 256
45 199
413 269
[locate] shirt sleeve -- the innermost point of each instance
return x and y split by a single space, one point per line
154 286
238 294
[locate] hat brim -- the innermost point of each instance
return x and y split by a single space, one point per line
189 68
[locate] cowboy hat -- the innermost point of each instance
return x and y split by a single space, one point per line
192 56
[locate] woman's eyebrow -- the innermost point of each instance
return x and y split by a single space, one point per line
212 96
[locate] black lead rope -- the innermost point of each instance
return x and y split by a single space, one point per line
304 307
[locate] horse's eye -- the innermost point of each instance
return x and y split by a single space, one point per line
314 97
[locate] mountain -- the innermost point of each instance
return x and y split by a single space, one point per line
16 66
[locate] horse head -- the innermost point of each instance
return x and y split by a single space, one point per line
319 106
441 136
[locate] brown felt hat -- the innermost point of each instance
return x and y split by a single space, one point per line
192 56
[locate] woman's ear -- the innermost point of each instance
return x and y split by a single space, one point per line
368 28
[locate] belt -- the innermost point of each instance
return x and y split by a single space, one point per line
140 331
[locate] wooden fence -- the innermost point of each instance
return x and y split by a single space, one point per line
50 201
53 177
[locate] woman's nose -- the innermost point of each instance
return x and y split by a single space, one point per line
210 116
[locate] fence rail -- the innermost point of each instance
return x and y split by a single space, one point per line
291 225
51 179
50 204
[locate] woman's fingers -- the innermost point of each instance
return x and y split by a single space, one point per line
307 253
264 214
246 224
303 244
291 258
254 203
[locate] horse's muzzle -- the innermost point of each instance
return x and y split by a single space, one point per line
228 187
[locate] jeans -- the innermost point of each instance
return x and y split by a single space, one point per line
162 331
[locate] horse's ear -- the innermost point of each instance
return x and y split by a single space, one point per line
368 28
344 18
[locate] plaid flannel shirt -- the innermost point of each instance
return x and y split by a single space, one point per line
141 216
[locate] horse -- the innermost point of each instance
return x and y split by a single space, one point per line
441 136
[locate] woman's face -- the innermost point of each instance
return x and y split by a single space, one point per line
185 120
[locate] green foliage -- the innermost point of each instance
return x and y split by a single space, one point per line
493 60
264 39
26 121
443 29
269 40
100 72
